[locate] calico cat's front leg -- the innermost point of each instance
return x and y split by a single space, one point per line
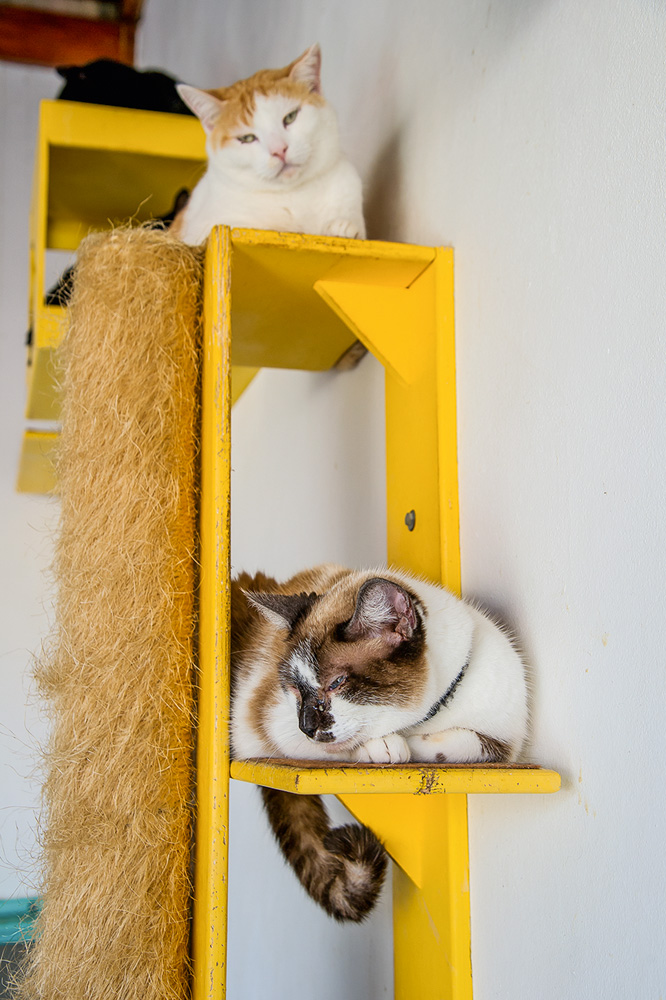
391 749
458 746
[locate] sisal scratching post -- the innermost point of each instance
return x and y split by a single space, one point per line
119 676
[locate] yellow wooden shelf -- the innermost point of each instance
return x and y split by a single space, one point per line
95 167
36 465
281 314
300 301
100 165
315 778
43 399
293 323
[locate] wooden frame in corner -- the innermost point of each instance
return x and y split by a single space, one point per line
42 37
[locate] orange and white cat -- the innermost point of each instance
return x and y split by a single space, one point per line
365 666
274 158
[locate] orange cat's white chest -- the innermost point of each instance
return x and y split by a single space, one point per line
329 204
274 162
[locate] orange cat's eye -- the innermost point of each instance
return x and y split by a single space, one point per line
288 119
247 138
338 682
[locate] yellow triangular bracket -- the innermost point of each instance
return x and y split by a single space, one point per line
390 322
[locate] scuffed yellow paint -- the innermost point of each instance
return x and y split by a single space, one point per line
412 779
209 935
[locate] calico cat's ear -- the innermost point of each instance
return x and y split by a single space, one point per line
307 68
383 610
205 106
281 610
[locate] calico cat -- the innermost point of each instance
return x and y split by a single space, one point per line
274 158
364 666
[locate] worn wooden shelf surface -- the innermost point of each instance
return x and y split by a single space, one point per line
317 777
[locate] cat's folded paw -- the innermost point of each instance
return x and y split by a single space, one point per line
345 228
459 746
391 749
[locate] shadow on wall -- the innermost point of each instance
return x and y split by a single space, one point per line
383 192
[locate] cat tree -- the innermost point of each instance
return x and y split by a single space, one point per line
398 300
315 296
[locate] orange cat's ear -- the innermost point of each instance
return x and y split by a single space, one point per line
307 69
206 107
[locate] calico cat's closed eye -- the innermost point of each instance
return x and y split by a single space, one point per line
338 682
250 137
288 119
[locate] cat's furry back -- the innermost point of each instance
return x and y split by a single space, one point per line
274 158
107 81
374 666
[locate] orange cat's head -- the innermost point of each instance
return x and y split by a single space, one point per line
273 129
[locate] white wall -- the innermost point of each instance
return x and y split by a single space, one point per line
530 136
25 544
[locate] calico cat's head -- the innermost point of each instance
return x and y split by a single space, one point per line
350 655
273 130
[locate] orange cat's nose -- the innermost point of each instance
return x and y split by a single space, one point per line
279 151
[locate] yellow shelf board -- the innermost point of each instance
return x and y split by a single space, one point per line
279 317
36 469
136 186
315 778
42 399
287 323
96 167
106 165
51 321
97 126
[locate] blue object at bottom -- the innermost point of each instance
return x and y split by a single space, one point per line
17 917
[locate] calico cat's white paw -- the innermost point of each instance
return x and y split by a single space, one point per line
391 749
457 746
343 227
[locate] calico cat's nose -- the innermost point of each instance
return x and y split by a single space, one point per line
309 719
315 720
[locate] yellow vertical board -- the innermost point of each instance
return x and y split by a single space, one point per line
426 837
431 922
411 330
211 863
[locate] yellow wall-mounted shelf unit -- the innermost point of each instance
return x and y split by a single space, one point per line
95 167
292 302
299 302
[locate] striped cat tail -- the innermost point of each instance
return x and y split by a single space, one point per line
342 869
